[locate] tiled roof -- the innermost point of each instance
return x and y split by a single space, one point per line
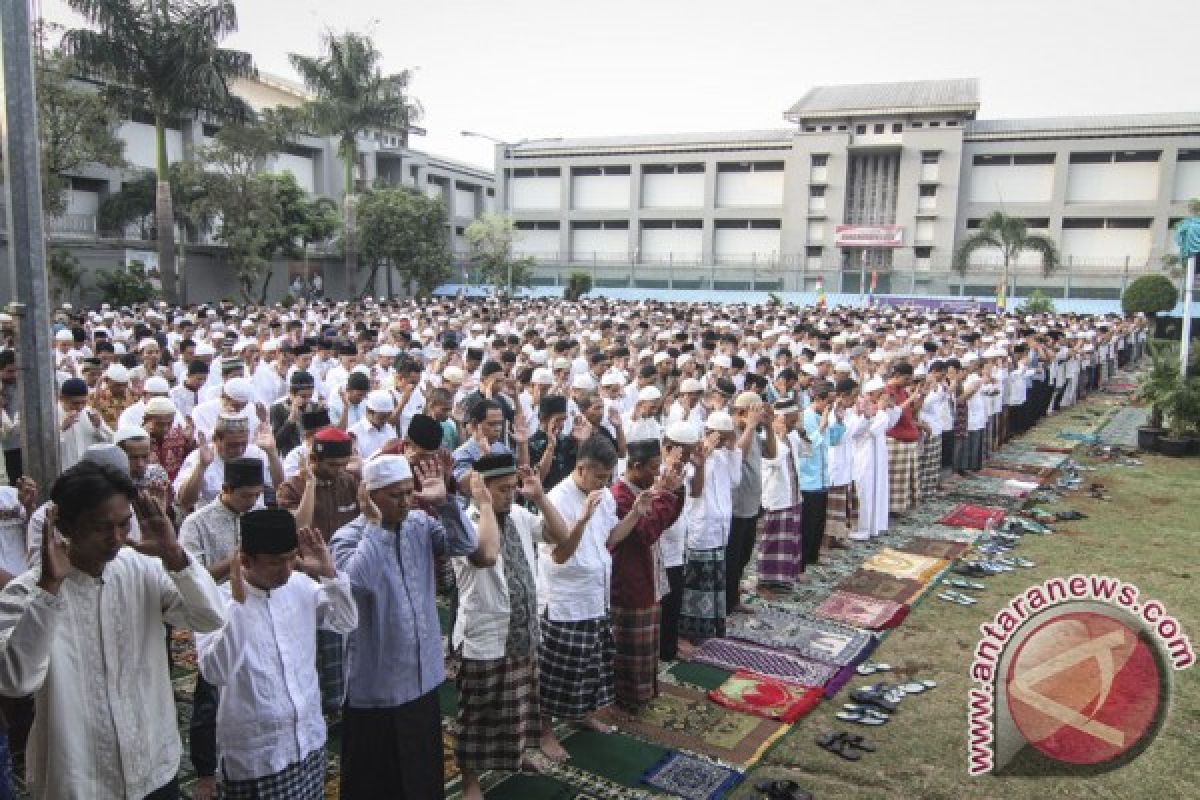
904 97
782 136
1142 123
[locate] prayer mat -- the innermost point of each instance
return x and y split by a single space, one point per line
872 583
696 675
935 548
1010 474
818 639
685 719
691 778
862 612
966 515
905 565
733 655
751 693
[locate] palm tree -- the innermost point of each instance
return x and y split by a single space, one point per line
162 55
353 96
1011 236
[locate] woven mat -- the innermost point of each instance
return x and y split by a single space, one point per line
935 548
861 611
907 566
733 655
968 515
818 639
685 719
691 778
751 693
873 583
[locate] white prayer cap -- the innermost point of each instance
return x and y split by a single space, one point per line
843 366
543 377
119 348
562 363
583 382
147 342
659 358
612 379
383 471
64 336
239 390
690 385
970 358
159 406
649 394
875 357
723 361
686 358
719 421
972 381
537 357
645 353
107 455
389 351
662 336
822 358
920 371
808 369
381 401
117 373
873 385
130 432
205 349
917 350
157 385
453 374
683 432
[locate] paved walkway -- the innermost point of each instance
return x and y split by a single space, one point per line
1122 428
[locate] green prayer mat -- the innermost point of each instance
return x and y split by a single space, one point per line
702 676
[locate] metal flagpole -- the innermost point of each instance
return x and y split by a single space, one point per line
1188 282
27 248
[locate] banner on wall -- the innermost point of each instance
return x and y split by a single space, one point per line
868 235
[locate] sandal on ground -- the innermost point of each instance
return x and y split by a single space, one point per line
916 687
837 744
863 717
782 790
870 668
882 700
860 742
959 583
957 599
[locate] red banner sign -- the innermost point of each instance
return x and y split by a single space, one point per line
868 235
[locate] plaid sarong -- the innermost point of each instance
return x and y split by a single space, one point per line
576 667
931 464
703 612
780 555
331 673
635 634
903 470
841 511
303 780
499 714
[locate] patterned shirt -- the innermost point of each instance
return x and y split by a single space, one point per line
171 452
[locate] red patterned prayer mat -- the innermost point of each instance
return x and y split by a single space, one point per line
861 612
966 515
761 696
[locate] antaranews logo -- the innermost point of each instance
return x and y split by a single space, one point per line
1073 676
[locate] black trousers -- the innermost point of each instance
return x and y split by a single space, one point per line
203 729
948 448
393 753
668 625
737 556
13 465
168 792
812 524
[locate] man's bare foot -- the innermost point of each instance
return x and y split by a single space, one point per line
685 650
590 723
471 790
551 748
205 788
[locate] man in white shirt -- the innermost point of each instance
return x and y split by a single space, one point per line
79 426
496 628
576 658
269 724
779 553
83 633
376 429
186 396
203 472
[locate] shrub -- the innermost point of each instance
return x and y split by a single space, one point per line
125 287
1149 294
578 284
1037 303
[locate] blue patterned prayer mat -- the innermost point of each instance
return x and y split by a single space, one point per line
690 777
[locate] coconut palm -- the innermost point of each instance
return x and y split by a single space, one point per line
353 96
163 56
1010 235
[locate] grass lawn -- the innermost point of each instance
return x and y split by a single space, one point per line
1148 534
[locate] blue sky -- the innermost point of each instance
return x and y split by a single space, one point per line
545 68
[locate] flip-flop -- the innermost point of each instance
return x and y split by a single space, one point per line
782 790
861 743
881 700
862 719
836 743
957 599
914 688
855 708
870 668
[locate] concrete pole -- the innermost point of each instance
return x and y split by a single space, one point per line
27 249
1185 348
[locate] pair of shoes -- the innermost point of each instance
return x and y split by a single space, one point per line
871 667
958 598
782 790
848 746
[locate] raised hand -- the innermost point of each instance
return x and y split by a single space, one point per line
593 502
520 430
643 503
95 418
158 533
614 416
27 494
711 442
479 490
56 563
69 420
582 429
264 439
367 505
261 411
205 451
433 483
314 559
531 486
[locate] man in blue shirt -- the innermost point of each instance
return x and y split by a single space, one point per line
391 731
821 425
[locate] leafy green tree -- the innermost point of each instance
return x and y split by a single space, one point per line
578 284
77 127
1012 237
353 97
65 272
405 229
1149 294
491 240
1037 303
125 286
163 56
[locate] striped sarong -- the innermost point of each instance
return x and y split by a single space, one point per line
703 613
931 464
903 471
499 712
780 555
302 780
635 633
841 511
576 667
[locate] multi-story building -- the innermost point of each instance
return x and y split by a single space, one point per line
873 183
383 157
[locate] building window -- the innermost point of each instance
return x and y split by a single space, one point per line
951 123
1037 223
1189 155
922 252
973 224
928 191
598 225
816 191
1072 223
622 169
879 127
1091 158
1138 155
916 124
540 172
933 123
842 128
897 127
1033 158
822 159
810 128
814 251
826 128
860 129
990 160
491 192
528 225
930 156
751 166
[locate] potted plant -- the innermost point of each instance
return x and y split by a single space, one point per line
1181 405
1152 387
